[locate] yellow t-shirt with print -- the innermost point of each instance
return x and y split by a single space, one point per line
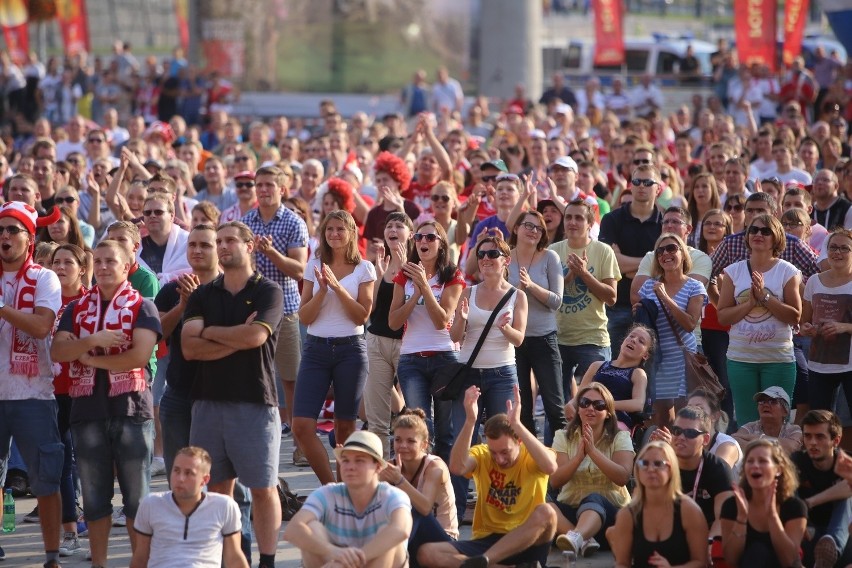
506 496
581 319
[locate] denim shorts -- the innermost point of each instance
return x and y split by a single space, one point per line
158 386
33 424
331 362
104 448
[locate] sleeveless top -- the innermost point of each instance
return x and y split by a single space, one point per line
618 381
675 549
496 350
445 509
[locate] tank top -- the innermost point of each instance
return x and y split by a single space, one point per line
496 350
445 509
675 549
618 381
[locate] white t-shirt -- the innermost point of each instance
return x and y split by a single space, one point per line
331 321
193 540
65 147
797 175
420 333
48 294
830 304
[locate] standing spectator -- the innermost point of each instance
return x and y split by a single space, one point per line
446 93
414 98
646 97
829 208
163 250
825 70
231 327
799 86
216 190
558 91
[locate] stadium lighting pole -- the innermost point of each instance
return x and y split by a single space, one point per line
509 47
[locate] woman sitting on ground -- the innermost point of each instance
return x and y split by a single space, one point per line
721 445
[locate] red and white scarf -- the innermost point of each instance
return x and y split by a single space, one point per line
24 352
121 314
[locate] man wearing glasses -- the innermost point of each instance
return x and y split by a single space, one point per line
97 148
246 195
703 476
163 251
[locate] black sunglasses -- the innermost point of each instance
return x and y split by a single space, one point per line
244 184
736 208
12 230
437 198
69 200
430 237
96 140
688 433
670 248
489 178
641 162
646 182
154 212
765 231
480 254
241 158
599 405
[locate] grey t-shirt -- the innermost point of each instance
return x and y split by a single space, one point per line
546 271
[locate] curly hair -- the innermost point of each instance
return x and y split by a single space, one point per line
341 191
788 480
395 167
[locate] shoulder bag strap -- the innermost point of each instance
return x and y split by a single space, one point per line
672 324
488 325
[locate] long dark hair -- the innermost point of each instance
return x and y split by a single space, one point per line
444 267
400 217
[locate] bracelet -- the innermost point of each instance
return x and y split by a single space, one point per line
401 479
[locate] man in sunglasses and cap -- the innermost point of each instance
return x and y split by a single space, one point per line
703 476
359 521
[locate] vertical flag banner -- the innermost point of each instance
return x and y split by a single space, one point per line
609 32
71 15
755 23
13 19
182 15
795 17
224 46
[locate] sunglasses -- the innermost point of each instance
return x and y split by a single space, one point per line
12 230
489 178
244 184
789 224
154 212
532 227
646 182
736 208
241 158
769 401
641 162
95 140
430 237
493 254
688 433
510 177
765 231
65 200
652 464
437 198
599 405
670 248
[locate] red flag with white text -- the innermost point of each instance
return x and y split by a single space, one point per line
13 19
73 23
755 23
609 32
795 17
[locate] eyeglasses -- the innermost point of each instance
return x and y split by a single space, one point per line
154 212
769 401
493 254
736 208
532 227
670 248
673 222
789 224
641 162
765 231
95 140
489 178
688 433
430 237
840 248
74 161
241 158
437 198
652 464
244 184
599 405
715 224
65 200
646 182
12 230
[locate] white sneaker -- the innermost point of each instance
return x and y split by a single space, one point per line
158 467
589 547
572 540
70 545
118 518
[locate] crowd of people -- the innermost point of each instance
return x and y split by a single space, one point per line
179 294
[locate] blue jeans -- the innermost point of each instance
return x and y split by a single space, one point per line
619 320
596 502
837 528
416 377
123 446
541 355
496 386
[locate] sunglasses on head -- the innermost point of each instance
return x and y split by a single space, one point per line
765 231
244 184
599 405
646 182
669 248
154 212
437 198
430 237
493 254
510 177
736 208
688 433
65 200
652 464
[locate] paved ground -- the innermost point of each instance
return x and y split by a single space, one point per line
23 547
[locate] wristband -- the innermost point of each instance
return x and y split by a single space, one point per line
401 479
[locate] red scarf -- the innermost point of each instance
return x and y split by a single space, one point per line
61 378
24 353
121 314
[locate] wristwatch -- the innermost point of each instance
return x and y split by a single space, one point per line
2 304
765 298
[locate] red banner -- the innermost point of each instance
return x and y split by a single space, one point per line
224 46
795 17
609 32
71 15
182 16
13 19
755 23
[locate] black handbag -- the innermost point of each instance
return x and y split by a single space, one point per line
449 380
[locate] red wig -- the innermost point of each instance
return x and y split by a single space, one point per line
342 191
395 167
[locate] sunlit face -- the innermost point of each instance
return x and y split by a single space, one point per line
505 451
529 229
734 178
67 269
58 231
158 216
824 185
188 476
199 218
506 194
396 232
685 447
840 252
427 168
13 246
653 477
311 178
442 201
383 179
408 444
674 222
589 415
336 234
717 160
427 248
637 344
234 251
713 228
576 222
23 191
809 155
123 237
793 225
669 260
111 266
357 468
760 467
135 197
329 203
201 250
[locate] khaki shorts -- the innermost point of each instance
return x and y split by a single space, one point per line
288 352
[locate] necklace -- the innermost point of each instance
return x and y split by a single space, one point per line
518 260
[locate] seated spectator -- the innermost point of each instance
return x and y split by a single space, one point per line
763 523
773 407
594 459
511 522
164 535
659 508
358 522
721 445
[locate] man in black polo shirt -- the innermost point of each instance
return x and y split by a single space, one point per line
703 476
231 327
631 231
826 494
